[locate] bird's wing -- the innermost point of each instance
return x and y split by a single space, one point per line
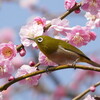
66 46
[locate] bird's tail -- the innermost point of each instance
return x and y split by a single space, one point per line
93 63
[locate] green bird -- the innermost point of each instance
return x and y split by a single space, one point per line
61 52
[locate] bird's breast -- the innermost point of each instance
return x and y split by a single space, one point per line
62 56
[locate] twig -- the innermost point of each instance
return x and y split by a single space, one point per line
19 47
64 15
5 86
61 17
36 65
85 92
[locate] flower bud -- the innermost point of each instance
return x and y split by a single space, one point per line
77 11
92 88
11 78
31 63
22 52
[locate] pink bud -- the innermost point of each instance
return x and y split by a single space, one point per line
31 63
92 88
11 78
22 52
77 11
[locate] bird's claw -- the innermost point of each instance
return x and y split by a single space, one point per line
47 69
74 63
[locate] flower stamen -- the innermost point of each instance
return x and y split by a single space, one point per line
7 52
77 38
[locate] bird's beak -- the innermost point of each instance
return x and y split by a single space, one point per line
31 39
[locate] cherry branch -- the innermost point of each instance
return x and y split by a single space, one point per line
61 17
5 86
85 92
64 15
19 47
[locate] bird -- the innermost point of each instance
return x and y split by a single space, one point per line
61 52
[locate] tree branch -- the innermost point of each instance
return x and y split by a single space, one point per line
64 15
61 17
85 92
5 86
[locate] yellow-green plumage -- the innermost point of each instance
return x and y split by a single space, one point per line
61 52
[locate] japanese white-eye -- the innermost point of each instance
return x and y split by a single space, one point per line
61 52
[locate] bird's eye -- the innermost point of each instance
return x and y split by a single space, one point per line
40 39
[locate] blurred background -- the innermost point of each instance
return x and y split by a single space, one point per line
59 85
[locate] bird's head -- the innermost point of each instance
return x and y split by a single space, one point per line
46 44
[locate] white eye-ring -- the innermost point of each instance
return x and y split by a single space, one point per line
40 39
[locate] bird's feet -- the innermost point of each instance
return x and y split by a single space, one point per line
47 69
74 63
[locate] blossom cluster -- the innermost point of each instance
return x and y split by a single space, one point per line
25 69
93 20
7 53
60 29
92 6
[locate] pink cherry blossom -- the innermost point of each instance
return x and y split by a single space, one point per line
6 68
69 4
92 6
8 50
93 20
89 98
8 34
40 20
43 60
80 36
92 35
25 69
60 26
30 30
